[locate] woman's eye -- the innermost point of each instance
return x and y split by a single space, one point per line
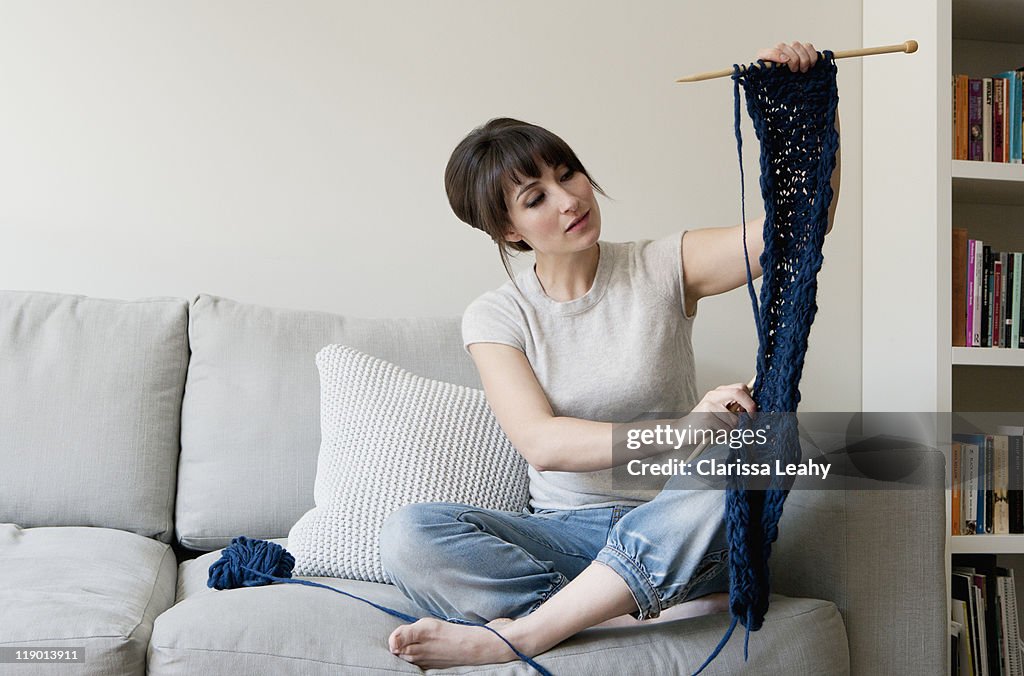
565 177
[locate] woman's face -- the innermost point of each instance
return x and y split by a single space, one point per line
543 209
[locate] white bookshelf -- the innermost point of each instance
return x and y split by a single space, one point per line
914 194
988 183
988 356
987 544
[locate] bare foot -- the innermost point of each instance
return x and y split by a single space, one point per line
431 644
705 605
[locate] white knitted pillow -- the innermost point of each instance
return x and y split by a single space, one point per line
390 438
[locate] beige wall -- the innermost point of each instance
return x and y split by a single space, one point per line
292 153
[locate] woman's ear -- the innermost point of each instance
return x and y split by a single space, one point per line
513 236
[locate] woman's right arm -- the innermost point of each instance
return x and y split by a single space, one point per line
559 443
546 441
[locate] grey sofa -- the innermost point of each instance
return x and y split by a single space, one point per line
137 438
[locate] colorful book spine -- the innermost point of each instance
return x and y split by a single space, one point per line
989 490
974 105
986 296
1017 284
1009 309
1013 115
979 277
959 287
998 118
970 474
986 119
997 300
1015 301
956 510
971 248
1000 485
1015 496
961 126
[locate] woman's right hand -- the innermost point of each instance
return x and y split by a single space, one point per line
724 402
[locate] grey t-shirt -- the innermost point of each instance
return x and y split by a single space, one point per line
619 353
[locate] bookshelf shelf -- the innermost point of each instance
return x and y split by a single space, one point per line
987 356
987 544
989 20
988 182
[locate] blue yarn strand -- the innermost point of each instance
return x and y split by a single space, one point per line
793 116
743 205
230 572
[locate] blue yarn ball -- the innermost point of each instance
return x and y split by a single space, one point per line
269 558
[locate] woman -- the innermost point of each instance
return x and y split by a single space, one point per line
596 331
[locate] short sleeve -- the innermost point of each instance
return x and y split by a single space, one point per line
660 263
492 318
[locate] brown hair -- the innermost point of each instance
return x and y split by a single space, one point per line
500 150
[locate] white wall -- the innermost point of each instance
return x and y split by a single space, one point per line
292 153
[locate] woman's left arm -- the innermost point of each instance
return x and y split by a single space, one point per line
710 263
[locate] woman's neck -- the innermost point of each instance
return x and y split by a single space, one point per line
569 276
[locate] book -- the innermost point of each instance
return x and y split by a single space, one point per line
1004 265
986 635
974 112
981 617
963 590
956 510
1015 486
997 300
998 118
960 287
1015 494
989 493
961 127
1018 309
1014 84
969 456
1011 623
955 630
977 273
1000 484
986 119
986 296
1009 307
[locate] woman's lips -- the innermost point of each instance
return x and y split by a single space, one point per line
580 223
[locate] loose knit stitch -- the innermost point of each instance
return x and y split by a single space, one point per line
794 120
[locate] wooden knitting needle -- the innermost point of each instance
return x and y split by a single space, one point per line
908 47
735 408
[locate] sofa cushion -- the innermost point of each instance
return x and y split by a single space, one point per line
391 438
293 629
95 588
90 407
250 428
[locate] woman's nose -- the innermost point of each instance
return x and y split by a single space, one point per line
570 202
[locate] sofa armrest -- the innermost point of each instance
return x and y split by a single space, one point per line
879 556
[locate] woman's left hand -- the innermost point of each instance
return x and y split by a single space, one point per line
798 56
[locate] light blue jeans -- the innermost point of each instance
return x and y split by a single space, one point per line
461 562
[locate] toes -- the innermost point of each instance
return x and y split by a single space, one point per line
401 638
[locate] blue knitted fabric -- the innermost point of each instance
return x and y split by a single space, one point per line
794 120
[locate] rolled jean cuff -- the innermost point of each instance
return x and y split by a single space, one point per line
562 581
636 579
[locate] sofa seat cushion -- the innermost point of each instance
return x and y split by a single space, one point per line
294 629
96 588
